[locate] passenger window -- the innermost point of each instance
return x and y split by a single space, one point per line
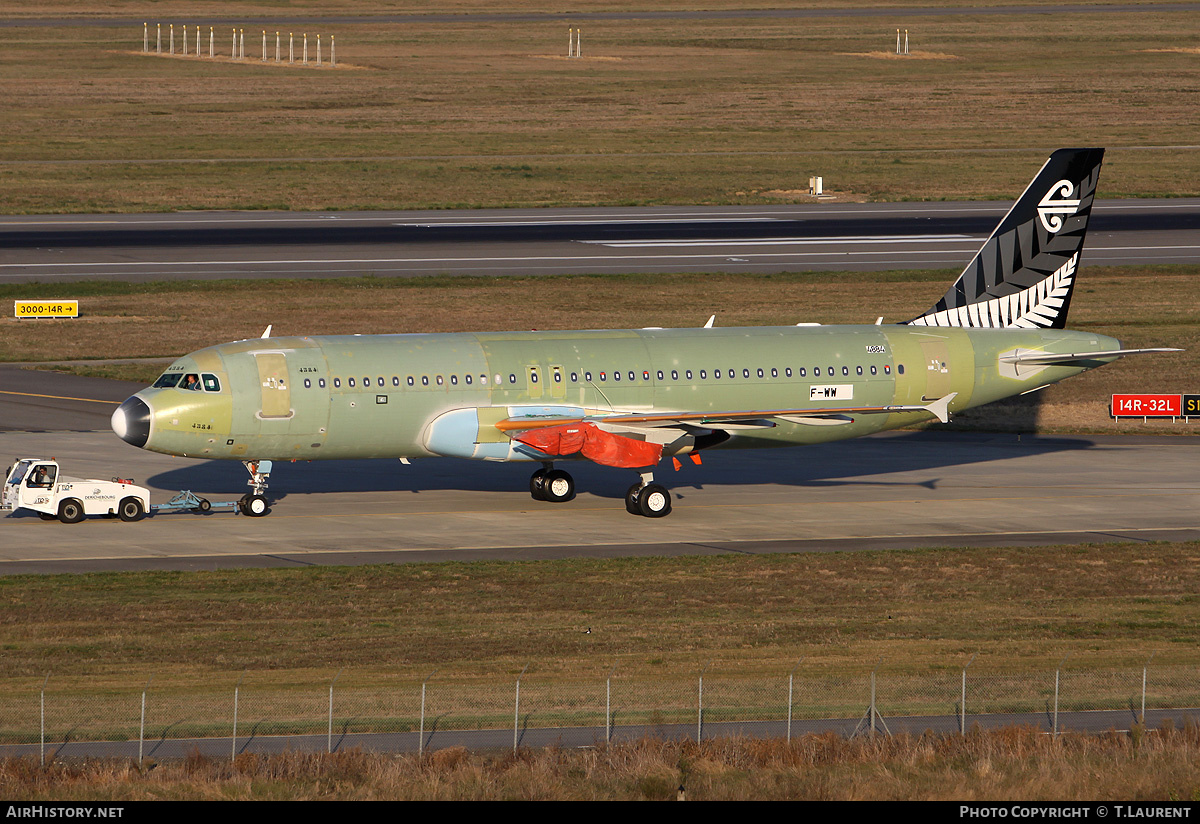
616 375
602 377
788 371
858 369
746 373
716 374
887 369
410 380
512 378
845 371
350 381
574 377
816 371
660 374
703 375
454 380
321 383
760 373
646 375
337 383
307 383
587 376
467 378
873 370
688 374
900 368
674 375
439 380
424 380
774 372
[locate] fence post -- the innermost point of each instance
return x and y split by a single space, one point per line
1057 673
329 740
962 707
421 741
700 706
145 37
789 714
517 710
608 706
236 693
44 682
1145 667
142 727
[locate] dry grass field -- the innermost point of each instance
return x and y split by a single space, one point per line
491 113
1010 765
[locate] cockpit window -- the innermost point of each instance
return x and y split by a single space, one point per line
211 384
190 381
167 381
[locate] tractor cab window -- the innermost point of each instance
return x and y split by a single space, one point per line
191 381
167 381
43 477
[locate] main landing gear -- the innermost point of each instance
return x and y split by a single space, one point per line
254 503
648 498
643 498
553 485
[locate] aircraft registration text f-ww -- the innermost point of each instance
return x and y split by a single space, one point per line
629 398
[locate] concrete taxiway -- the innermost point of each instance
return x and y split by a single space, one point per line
889 491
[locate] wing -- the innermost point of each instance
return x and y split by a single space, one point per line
605 439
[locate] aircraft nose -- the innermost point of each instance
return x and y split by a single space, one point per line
131 421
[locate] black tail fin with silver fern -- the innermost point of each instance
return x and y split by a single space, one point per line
1023 276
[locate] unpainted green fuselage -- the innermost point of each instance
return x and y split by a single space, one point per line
420 395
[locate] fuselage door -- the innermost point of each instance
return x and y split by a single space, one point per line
276 386
937 368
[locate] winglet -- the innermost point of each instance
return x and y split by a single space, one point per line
940 408
709 325
267 333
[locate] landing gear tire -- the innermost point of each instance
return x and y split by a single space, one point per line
131 510
654 501
631 499
537 485
255 506
70 511
558 486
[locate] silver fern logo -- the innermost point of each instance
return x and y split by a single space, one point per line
1051 211
1037 306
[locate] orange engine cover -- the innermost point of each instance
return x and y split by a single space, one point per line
594 444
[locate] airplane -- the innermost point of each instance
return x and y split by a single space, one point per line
629 398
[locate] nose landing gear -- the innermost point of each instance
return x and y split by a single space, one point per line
255 503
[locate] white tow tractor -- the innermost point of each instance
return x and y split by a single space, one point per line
35 483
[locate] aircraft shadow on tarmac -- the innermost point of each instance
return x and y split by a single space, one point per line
856 462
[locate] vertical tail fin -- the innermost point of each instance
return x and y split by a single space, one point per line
1025 272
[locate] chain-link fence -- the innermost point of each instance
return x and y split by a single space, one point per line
257 705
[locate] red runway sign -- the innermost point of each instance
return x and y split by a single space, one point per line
1147 406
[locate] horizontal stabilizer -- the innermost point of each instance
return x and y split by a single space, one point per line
1036 358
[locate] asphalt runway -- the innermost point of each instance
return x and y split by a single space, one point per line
891 491
817 236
